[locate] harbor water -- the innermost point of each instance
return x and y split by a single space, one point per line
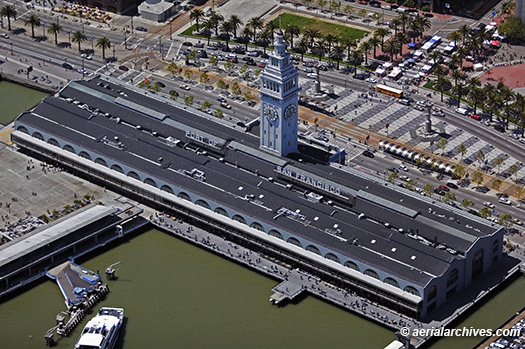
14 99
178 295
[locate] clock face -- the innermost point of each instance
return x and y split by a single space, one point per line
270 112
289 112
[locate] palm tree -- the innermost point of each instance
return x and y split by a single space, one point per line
464 31
255 23
356 57
265 37
312 35
322 4
216 19
460 89
454 36
395 23
348 10
520 102
401 39
236 22
32 21
422 24
349 43
54 28
374 41
330 39
104 44
307 3
271 26
405 19
196 15
320 48
507 95
245 36
302 47
391 46
382 32
442 84
338 53
8 11
365 47
207 27
292 31
227 28
492 99
78 37
435 56
476 96
474 82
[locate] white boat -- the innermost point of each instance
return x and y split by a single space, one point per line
101 332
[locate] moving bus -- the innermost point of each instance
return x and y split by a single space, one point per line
387 90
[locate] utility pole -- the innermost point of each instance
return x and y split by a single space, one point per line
125 41
170 32
131 24
160 44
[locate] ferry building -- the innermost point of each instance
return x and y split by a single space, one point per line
263 187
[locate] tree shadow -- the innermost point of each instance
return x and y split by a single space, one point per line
64 45
40 38
18 31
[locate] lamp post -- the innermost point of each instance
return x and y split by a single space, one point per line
160 44
170 32
92 47
11 48
125 41
131 24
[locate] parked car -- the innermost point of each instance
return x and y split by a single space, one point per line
359 76
86 56
488 204
123 67
187 43
462 111
160 84
444 187
371 80
393 169
221 99
452 185
199 45
312 75
439 191
184 87
438 112
368 154
141 29
403 167
226 105
253 53
504 201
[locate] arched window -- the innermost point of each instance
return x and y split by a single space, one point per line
452 277
477 263
167 189
22 129
151 182
313 249
202 203
221 211
391 281
257 226
101 162
53 141
371 273
294 241
184 196
38 135
412 290
117 168
84 155
239 219
352 265
276 234
69 148
332 257
134 175
432 293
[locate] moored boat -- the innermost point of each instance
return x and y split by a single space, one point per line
101 332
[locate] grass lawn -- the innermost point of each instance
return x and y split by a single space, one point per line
325 28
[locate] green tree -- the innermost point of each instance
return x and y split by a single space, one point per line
216 20
236 22
104 44
222 85
448 197
462 150
466 203
442 85
496 184
218 113
519 191
498 162
476 96
188 100
174 95
255 23
505 220
513 170
442 144
54 28
392 177
236 89
188 73
204 79
214 61
485 212
382 33
205 105
477 178
197 15
173 68
249 96
291 32
8 11
229 67
459 172
78 37
33 21
480 157
411 184
428 189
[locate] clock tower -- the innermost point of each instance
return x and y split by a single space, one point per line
279 88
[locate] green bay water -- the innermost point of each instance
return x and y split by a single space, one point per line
176 295
14 99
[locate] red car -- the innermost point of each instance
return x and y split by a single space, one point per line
187 43
262 65
363 2
475 117
444 187
123 67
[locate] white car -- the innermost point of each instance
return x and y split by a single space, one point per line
231 55
4 35
403 167
462 111
371 80
438 113
515 135
404 178
485 122
386 7
504 201
308 70
488 204
184 87
312 75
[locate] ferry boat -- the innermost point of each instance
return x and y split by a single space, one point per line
101 332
